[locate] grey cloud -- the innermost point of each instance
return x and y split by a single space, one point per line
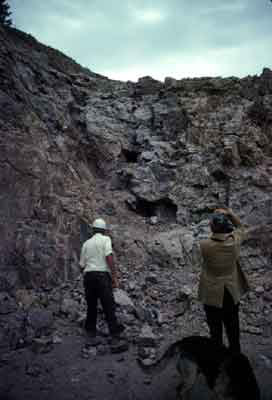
109 34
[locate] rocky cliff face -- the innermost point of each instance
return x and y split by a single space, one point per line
75 145
152 158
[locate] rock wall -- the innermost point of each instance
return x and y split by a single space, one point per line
152 158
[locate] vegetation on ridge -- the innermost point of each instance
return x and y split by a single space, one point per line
5 13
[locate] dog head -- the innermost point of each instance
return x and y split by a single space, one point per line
236 379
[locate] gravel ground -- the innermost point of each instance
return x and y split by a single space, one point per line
78 368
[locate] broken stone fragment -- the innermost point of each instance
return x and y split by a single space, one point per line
70 308
122 298
147 337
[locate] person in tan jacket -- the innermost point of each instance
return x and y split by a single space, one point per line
222 282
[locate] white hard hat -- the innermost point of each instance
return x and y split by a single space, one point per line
99 223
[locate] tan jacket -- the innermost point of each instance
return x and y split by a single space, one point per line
220 255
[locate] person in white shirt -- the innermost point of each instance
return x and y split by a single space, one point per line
99 275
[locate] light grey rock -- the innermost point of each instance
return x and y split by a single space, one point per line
146 337
132 285
70 308
122 298
147 362
259 289
172 248
56 339
154 220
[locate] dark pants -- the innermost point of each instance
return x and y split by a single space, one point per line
98 285
228 316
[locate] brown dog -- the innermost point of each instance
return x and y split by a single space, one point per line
228 375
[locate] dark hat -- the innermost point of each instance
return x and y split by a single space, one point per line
221 223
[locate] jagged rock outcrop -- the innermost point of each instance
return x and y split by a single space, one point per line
152 158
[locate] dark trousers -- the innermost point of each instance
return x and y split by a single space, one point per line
228 316
98 286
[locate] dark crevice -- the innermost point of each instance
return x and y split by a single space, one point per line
220 175
164 209
131 156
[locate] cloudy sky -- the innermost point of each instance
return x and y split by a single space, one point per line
128 39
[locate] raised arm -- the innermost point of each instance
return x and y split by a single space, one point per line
230 214
246 230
